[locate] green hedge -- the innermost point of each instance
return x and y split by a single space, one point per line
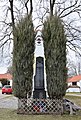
55 53
23 54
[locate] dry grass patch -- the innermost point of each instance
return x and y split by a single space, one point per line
8 114
75 99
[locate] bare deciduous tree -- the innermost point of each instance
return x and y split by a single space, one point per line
68 10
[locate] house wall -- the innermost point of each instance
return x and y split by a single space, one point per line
10 82
74 89
0 84
78 83
70 84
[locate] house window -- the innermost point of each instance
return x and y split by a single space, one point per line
74 83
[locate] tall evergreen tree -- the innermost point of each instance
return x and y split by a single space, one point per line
55 53
23 57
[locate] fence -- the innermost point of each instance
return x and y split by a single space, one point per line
40 106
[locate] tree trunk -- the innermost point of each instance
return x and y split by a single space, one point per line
31 7
12 14
52 2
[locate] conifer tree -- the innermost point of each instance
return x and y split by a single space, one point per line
55 53
23 53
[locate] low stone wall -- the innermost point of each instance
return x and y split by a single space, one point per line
40 106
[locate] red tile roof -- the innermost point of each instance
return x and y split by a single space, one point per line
74 78
6 76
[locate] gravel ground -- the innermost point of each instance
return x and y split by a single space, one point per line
8 101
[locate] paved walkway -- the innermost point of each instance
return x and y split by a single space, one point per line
8 101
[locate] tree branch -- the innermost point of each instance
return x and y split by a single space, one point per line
26 6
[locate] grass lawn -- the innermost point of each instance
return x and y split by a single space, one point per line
10 114
79 93
75 99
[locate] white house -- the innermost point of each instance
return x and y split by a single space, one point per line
74 84
7 76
